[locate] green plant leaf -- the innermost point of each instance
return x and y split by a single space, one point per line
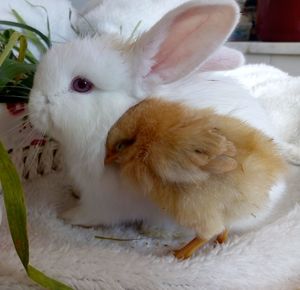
74 28
11 69
15 205
31 35
117 239
132 36
44 280
17 220
29 28
43 8
22 48
4 38
10 99
16 36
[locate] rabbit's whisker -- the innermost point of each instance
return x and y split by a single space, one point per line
36 148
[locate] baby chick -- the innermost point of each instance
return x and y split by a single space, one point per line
205 170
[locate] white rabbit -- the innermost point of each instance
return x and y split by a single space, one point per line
81 88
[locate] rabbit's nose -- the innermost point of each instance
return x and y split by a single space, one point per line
47 101
40 96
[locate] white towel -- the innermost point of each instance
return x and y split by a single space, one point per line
279 93
268 258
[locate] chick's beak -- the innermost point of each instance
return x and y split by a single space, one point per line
110 158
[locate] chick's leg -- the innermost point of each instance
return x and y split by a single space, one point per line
222 238
188 250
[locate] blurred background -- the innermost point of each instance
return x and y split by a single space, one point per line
78 3
268 32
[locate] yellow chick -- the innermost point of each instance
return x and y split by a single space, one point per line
205 170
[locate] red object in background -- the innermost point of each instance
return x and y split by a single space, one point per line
38 142
278 20
15 108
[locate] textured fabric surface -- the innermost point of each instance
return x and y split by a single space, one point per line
268 258
279 93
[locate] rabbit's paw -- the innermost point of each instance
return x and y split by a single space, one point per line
77 216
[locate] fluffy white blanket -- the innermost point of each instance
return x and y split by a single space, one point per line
268 258
279 93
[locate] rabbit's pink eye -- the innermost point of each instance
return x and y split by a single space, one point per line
81 85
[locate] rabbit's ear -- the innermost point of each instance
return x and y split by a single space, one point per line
183 39
223 59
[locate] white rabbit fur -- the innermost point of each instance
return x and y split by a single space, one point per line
57 11
157 64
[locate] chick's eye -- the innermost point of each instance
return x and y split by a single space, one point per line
123 144
120 147
81 85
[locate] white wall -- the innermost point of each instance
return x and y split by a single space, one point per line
285 56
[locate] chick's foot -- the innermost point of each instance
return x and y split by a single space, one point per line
188 250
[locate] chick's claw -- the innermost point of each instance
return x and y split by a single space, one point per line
222 238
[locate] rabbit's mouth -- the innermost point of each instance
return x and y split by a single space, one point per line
39 112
